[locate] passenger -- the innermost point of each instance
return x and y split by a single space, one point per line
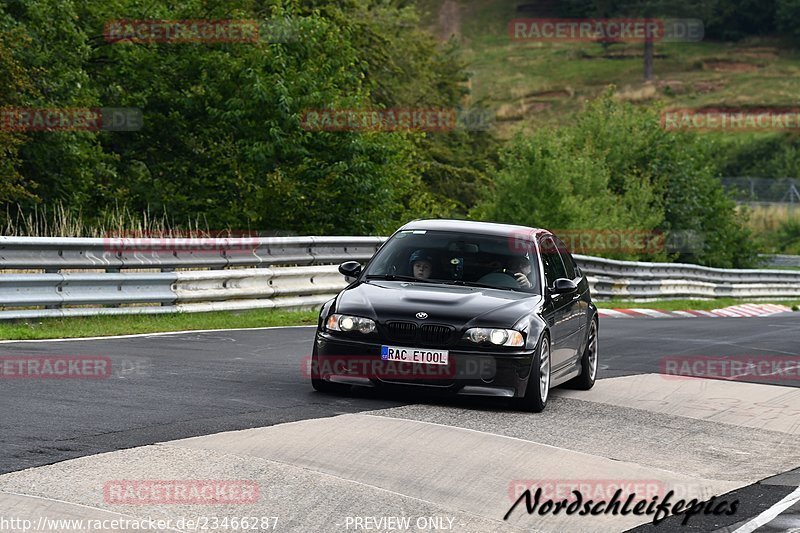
421 264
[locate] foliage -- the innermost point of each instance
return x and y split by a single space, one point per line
222 136
787 13
14 81
616 168
405 67
787 237
58 165
765 156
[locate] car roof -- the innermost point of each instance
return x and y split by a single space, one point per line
472 226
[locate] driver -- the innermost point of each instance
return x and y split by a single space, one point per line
421 264
520 268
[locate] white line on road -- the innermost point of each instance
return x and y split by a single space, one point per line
157 334
767 516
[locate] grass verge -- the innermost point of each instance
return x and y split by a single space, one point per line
99 326
683 305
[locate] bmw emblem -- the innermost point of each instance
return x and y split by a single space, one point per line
422 315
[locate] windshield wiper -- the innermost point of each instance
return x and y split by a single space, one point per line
396 277
482 285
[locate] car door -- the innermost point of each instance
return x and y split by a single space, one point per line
558 308
578 306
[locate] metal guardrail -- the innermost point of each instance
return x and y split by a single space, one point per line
167 292
114 254
782 261
633 280
293 272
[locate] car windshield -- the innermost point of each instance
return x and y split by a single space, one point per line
456 258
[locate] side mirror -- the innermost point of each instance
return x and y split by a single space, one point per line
564 286
350 269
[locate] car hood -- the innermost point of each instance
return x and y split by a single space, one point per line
448 304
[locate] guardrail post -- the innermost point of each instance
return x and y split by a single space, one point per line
167 269
113 271
58 288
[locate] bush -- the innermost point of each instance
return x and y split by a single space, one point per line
787 237
774 155
787 13
616 168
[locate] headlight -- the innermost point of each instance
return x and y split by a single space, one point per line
350 323
498 337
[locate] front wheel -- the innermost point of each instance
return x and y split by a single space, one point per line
538 390
589 362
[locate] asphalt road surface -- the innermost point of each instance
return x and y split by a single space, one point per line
169 387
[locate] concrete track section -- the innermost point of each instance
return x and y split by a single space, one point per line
427 467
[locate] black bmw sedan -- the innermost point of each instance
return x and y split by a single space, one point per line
473 308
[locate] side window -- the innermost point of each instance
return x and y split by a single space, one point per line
578 272
566 258
553 267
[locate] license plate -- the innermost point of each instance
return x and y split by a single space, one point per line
414 355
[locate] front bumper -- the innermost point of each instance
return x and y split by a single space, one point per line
469 372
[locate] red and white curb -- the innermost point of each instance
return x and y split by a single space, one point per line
734 311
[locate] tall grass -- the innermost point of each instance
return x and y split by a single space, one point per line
769 217
776 227
58 220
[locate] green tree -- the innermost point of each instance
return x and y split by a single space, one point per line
222 139
14 83
775 155
787 13
223 134
61 165
405 67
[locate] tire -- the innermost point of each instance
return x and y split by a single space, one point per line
538 389
589 361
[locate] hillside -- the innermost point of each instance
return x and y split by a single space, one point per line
531 83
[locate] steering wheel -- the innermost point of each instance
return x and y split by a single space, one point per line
502 279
